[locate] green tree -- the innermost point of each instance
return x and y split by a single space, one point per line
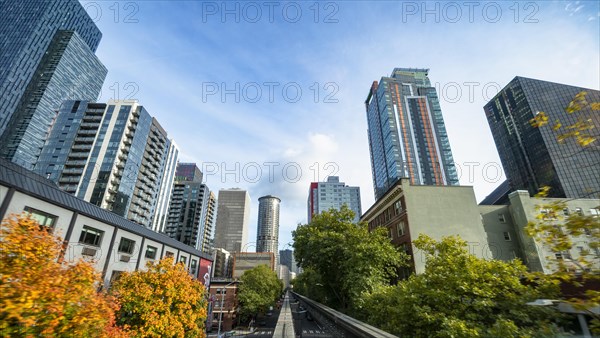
162 301
259 288
349 260
42 295
460 295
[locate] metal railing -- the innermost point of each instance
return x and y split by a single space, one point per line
338 323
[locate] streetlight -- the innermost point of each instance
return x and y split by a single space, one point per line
221 312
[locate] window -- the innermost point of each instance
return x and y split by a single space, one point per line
91 236
566 211
401 229
579 211
182 259
506 236
193 266
126 245
398 207
43 218
595 212
151 252
115 276
563 255
169 254
501 218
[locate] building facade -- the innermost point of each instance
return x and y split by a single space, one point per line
532 157
267 232
111 243
191 212
159 221
286 258
233 217
332 194
407 134
113 155
244 261
47 57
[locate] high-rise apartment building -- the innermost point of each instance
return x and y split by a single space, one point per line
407 134
113 155
192 211
333 194
233 217
159 221
532 157
267 233
46 56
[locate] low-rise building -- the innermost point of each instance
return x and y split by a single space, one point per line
113 244
243 261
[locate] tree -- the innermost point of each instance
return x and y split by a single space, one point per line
349 260
259 288
162 301
43 295
460 295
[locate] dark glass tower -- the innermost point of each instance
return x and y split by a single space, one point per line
407 134
46 56
532 157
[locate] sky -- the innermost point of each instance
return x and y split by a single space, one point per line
269 96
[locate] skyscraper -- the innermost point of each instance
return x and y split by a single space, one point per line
533 157
191 213
111 154
46 56
287 258
159 221
407 134
267 233
233 216
333 194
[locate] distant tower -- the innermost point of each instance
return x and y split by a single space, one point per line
267 233
233 217
323 196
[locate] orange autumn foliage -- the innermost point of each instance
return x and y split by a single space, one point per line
43 296
162 301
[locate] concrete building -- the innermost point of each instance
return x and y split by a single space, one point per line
113 155
491 231
243 261
267 233
407 134
284 273
190 219
532 157
408 210
286 258
223 263
111 243
47 56
233 217
333 194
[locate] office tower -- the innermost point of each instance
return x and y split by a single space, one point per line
332 194
286 258
267 233
209 224
159 222
533 157
110 154
233 216
407 135
191 213
47 56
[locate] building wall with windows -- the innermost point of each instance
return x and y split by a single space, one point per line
233 218
112 243
267 232
491 231
333 194
244 261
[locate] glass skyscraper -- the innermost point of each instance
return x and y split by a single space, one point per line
407 134
113 155
533 157
46 56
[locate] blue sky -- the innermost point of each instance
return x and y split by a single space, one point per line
302 70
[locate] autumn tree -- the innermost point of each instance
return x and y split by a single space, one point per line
259 288
461 295
42 295
162 301
348 259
